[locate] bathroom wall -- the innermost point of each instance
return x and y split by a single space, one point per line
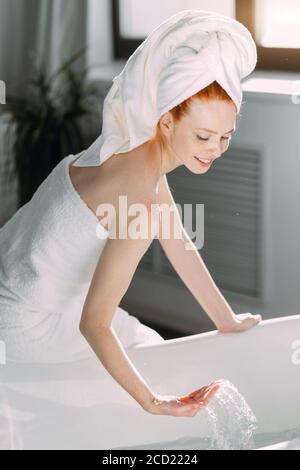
269 125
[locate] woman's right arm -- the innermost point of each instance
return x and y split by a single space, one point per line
111 279
113 274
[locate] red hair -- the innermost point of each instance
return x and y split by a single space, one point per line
214 91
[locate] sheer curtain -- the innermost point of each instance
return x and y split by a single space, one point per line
43 31
17 23
61 32
155 12
48 31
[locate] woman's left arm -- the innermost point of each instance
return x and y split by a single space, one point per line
187 262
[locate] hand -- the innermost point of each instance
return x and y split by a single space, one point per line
187 405
241 322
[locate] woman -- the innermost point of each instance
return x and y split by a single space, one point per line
65 268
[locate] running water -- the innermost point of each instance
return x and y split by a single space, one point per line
231 420
228 419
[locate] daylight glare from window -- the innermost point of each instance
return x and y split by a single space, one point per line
278 23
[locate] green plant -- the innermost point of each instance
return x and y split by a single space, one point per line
46 124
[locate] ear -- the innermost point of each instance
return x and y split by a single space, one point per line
167 123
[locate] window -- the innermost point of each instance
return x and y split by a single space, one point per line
99 36
130 31
278 23
275 26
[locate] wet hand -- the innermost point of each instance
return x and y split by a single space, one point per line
187 405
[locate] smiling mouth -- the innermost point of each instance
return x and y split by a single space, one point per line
204 162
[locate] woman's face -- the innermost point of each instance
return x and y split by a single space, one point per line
204 134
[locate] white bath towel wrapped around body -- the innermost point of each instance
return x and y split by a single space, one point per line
48 253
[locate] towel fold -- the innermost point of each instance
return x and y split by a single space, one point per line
183 55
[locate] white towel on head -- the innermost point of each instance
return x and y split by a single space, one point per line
183 55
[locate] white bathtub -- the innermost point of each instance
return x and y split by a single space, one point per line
79 405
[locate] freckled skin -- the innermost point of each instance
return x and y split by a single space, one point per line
183 137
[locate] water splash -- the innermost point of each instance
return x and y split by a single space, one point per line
230 419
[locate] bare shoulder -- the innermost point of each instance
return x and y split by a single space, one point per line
135 212
132 227
113 183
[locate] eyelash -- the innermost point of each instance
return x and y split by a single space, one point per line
200 138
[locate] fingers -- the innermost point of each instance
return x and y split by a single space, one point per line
191 397
203 392
249 316
255 318
210 393
203 389
190 406
251 321
196 392
199 405
199 396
